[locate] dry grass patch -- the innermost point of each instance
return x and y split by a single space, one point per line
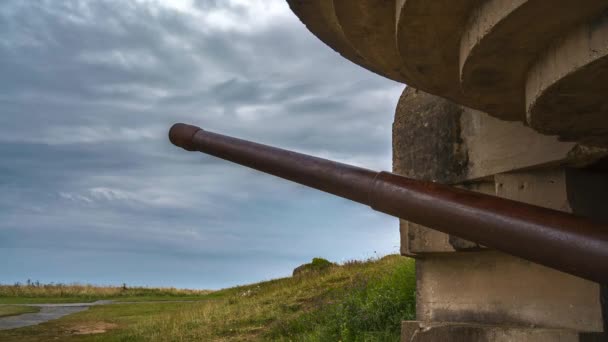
92 328
33 292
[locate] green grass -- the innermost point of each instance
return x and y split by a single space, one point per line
12 310
359 301
317 265
90 299
369 309
73 293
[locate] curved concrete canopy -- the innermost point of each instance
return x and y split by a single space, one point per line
428 38
369 27
567 88
542 62
502 39
320 18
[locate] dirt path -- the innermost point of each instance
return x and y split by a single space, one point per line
47 312
54 311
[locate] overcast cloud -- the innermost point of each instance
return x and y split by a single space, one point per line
92 191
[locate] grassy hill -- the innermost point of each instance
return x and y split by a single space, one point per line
357 301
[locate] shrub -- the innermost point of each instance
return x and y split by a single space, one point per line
320 264
317 265
370 309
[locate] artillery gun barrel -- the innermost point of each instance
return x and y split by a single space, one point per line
556 239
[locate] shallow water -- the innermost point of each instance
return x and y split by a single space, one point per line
47 312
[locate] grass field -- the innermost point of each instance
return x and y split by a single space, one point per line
358 301
33 293
12 310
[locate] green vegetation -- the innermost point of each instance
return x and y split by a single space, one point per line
12 310
369 309
317 265
357 301
33 293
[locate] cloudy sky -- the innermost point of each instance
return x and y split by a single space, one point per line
92 191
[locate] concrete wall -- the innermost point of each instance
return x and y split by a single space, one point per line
460 282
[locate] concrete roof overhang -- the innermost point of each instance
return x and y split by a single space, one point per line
542 62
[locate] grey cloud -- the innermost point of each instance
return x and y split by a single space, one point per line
88 92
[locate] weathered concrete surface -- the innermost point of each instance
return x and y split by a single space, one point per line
494 146
439 157
497 56
501 41
369 27
434 139
426 138
545 187
320 18
428 37
494 288
462 145
414 331
511 161
567 86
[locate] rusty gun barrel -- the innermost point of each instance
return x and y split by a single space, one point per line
552 238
